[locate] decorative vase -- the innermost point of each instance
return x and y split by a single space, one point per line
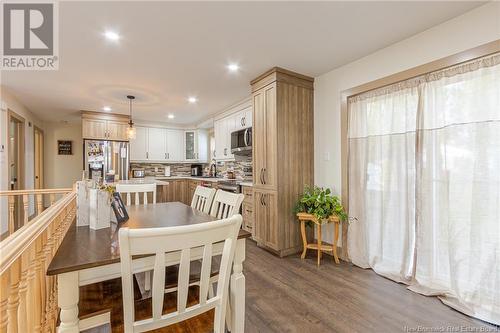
100 209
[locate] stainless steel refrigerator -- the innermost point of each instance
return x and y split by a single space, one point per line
102 156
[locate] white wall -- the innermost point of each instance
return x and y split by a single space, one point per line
9 102
62 170
474 28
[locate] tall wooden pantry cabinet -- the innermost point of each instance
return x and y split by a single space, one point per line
283 155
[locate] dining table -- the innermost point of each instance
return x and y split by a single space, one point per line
88 256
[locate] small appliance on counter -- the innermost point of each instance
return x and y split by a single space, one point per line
196 170
138 173
167 171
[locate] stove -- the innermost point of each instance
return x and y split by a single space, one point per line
230 185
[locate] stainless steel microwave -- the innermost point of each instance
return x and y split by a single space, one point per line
241 142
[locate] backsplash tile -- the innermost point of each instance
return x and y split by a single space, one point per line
176 169
241 167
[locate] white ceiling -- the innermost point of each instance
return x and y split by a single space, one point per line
171 50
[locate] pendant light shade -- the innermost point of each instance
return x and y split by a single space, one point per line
131 131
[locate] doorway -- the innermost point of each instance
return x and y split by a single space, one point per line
16 162
38 147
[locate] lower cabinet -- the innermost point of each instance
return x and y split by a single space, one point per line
247 209
176 190
265 211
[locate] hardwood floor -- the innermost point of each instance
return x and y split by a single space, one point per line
294 295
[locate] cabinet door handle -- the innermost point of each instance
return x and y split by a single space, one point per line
225 151
264 176
261 202
244 121
147 155
260 176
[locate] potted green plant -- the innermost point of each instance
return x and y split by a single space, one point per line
321 203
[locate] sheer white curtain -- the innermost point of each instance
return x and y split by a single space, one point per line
458 242
382 182
431 166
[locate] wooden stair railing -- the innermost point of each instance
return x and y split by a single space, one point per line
23 199
28 297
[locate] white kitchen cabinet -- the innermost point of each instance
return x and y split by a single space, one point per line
190 145
243 119
202 145
223 128
157 144
175 145
139 145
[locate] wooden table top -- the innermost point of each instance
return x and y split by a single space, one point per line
83 247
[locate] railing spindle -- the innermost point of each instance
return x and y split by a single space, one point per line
26 203
12 203
39 203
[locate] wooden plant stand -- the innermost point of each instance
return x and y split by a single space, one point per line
305 217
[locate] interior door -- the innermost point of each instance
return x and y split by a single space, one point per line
16 156
139 145
38 145
157 144
175 139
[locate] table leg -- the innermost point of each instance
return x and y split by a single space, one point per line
237 290
335 242
67 298
304 238
319 244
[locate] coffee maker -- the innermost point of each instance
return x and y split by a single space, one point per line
196 170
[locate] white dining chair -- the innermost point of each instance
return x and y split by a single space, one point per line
178 246
136 189
226 204
203 198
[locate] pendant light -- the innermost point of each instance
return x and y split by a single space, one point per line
131 132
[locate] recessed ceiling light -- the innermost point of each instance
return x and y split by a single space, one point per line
171 116
192 99
112 36
233 67
106 108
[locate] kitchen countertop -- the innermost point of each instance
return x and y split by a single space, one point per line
211 179
248 184
145 180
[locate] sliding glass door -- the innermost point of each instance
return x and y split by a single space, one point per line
424 183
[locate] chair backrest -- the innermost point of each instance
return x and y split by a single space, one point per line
226 204
202 198
177 246
136 189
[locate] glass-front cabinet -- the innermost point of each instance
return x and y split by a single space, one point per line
190 145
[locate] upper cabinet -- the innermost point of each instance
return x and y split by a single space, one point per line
100 126
175 144
239 117
243 119
139 145
169 145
